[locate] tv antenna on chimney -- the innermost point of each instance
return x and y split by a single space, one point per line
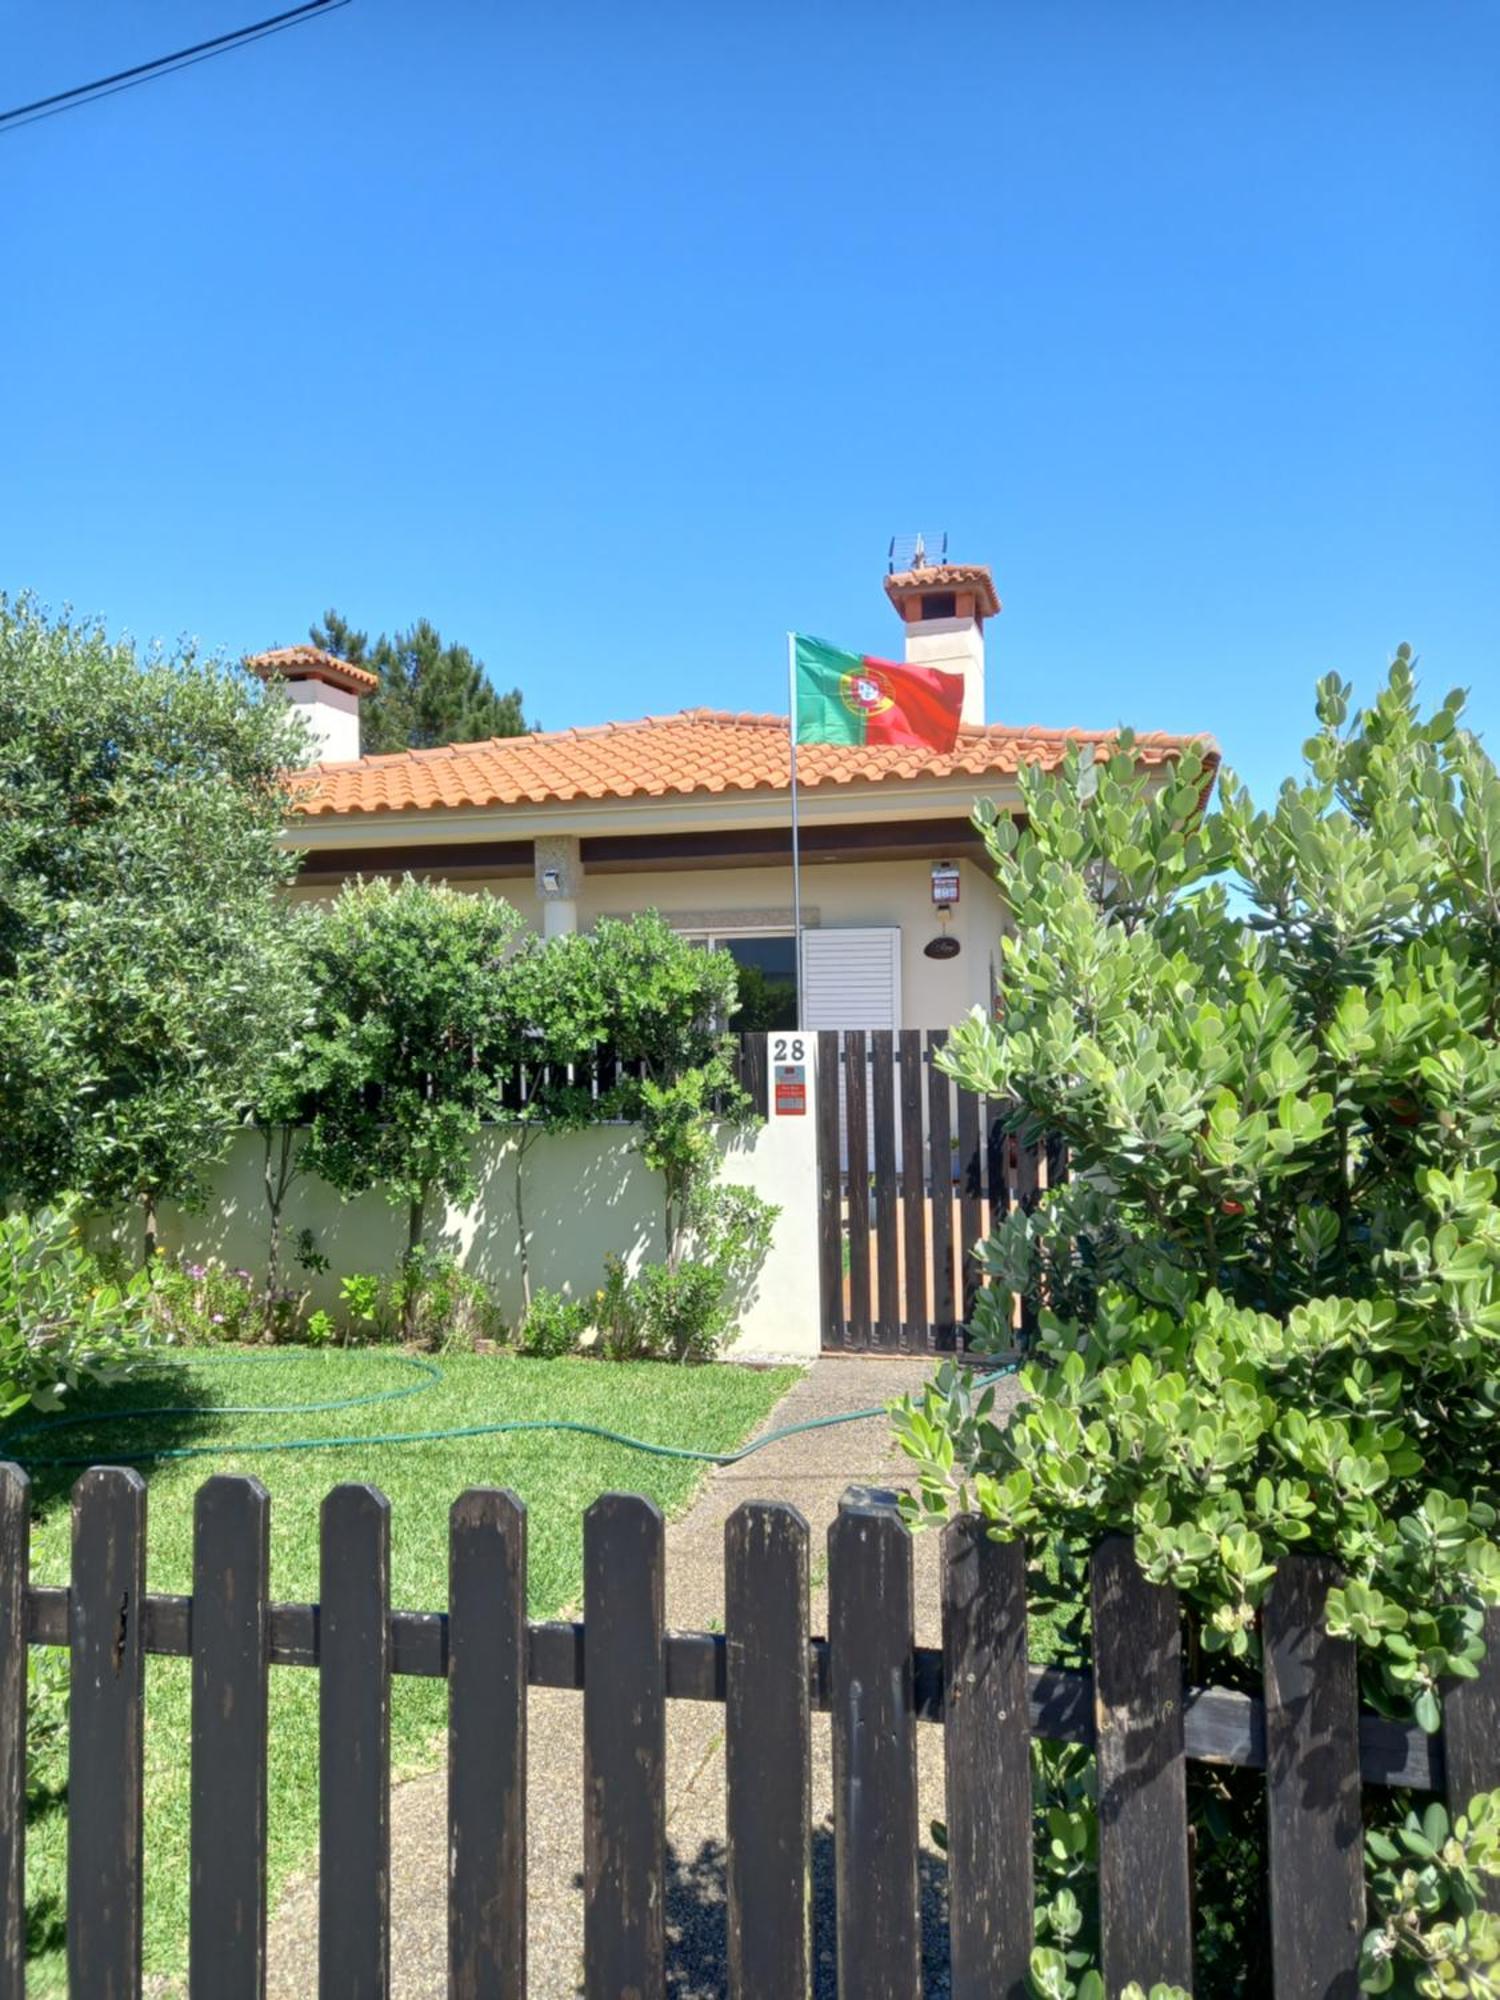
919 551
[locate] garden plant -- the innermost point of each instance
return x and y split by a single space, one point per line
144 950
405 1054
1267 1298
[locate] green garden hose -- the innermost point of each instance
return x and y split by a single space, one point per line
430 1374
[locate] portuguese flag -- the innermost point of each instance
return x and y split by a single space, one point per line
850 698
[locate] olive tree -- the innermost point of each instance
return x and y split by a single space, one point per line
143 950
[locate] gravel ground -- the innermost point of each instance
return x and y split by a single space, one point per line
811 1471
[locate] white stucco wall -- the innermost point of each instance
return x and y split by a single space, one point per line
586 1194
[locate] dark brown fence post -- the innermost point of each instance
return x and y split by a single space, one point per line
354 1746
624 1749
15 1563
987 1751
1026 1195
887 1248
1471 1734
487 1675
830 1190
1312 1783
106 1733
870 1626
940 1142
231 1674
1145 1899
914 1191
997 1157
753 1073
857 1140
970 1196
767 1755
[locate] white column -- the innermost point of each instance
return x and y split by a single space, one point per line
780 1161
559 877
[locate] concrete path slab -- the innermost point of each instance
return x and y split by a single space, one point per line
812 1472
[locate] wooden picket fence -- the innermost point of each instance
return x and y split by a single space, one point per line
770 1675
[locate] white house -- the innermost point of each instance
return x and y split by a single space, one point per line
690 814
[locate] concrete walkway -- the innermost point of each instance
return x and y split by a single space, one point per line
812 1472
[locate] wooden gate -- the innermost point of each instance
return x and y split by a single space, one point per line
917 1176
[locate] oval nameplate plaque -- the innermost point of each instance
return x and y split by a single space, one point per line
941 947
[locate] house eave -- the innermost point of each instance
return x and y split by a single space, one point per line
828 806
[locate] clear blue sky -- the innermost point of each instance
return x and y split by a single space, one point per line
618 338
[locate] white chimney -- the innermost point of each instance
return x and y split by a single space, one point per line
943 607
327 693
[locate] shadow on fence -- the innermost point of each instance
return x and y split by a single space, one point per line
697 1913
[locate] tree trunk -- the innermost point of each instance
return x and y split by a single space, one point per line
275 1195
522 1145
148 1222
414 1220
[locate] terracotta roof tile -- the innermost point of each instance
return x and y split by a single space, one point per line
294 663
947 576
702 750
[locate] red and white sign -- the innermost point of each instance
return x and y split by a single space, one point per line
789 1096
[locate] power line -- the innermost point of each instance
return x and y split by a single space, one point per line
128 79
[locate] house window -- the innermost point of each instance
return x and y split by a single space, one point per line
767 961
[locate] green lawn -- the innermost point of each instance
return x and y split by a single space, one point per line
556 1475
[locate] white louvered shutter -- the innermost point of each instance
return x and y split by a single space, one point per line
852 979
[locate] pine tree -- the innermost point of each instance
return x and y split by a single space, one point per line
430 693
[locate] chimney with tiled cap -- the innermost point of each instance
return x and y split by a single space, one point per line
327 693
943 606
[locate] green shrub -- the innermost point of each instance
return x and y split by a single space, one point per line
319 1330
1429 1883
441 1305
617 1314
429 1302
143 938
362 1295
62 1322
1268 1300
406 1052
688 1310
553 1325
193 1305
682 1312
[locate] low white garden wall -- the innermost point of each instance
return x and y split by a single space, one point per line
585 1194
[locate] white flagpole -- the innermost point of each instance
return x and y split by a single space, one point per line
791 691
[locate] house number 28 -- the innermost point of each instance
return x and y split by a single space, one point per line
784 1050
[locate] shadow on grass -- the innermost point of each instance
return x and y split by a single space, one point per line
158 1407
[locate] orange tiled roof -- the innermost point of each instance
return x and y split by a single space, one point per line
947 576
295 663
699 751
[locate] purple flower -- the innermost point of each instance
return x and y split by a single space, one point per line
197 1271
218 1319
